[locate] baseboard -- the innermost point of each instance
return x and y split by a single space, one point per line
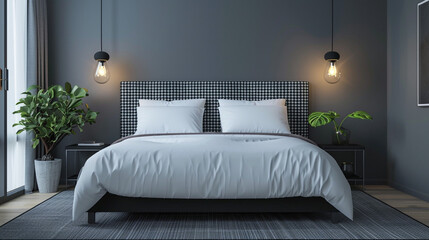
416 193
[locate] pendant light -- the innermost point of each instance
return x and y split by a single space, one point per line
332 73
102 74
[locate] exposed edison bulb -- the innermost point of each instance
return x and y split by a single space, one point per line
332 73
102 74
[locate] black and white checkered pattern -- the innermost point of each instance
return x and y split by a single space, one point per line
295 93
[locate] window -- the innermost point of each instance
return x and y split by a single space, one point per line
16 63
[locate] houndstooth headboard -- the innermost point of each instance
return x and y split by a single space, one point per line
295 93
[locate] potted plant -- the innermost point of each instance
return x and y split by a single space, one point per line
50 115
341 135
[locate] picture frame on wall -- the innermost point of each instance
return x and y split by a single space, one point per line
423 54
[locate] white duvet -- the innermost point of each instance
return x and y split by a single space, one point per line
212 166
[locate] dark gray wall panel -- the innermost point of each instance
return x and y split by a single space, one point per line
190 40
423 74
407 125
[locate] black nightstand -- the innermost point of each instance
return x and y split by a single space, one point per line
357 176
78 149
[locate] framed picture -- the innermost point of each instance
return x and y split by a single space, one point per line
423 54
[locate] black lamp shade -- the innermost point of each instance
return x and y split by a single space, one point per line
332 56
101 56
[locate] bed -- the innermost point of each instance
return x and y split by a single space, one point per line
212 171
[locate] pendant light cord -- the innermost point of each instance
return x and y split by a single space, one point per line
332 25
101 25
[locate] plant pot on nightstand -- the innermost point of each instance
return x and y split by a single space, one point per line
341 137
48 175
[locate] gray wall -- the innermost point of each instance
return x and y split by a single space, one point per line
407 125
228 40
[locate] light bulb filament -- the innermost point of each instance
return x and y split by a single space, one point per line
332 70
101 71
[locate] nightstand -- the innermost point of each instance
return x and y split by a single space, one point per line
355 149
77 150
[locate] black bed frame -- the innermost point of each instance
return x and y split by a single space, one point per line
296 94
114 203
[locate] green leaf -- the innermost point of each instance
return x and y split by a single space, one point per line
360 115
318 119
32 87
92 115
68 87
35 142
333 115
75 103
80 93
74 89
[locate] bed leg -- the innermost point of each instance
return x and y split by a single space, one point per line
335 217
91 217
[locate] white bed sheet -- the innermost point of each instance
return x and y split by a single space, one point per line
205 166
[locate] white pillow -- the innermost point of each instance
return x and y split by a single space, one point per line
169 120
177 103
254 119
276 102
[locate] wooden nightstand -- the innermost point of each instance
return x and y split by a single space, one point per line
78 149
356 149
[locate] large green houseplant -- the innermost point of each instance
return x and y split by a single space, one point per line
50 115
342 135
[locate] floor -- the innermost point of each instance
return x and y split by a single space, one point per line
19 205
412 206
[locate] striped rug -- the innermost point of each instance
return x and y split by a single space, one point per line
373 220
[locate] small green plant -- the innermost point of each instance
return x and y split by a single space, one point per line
53 114
317 119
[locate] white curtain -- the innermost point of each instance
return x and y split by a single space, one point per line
17 64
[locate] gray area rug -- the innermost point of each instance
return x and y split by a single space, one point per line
373 220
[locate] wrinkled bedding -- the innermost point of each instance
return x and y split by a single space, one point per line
209 166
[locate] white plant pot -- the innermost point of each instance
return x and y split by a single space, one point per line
48 175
